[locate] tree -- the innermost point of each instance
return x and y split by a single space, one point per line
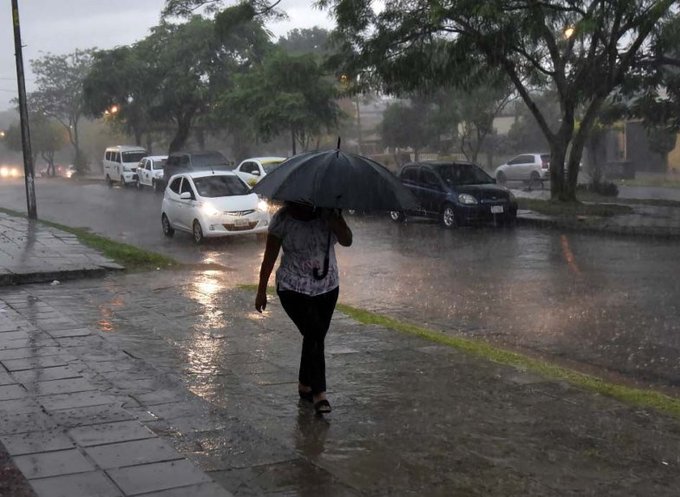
286 94
305 41
47 138
59 79
406 125
121 80
585 49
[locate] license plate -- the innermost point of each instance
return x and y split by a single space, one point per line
241 222
496 209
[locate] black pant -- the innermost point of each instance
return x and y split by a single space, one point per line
312 316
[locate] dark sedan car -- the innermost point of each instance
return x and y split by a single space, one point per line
456 193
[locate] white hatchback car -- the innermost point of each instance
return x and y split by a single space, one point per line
212 204
253 170
149 170
532 169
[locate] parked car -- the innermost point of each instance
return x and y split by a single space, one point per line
150 170
212 204
532 169
120 163
253 170
457 193
179 162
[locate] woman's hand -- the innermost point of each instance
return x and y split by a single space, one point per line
261 301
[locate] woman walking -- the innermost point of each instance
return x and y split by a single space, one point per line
306 283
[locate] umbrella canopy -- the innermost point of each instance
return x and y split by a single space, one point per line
337 180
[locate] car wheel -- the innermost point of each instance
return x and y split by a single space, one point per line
197 231
156 187
109 183
501 179
397 216
448 216
168 230
138 184
122 182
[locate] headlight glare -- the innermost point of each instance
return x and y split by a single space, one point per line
467 199
209 210
263 205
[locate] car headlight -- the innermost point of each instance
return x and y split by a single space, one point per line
209 210
263 205
467 199
4 172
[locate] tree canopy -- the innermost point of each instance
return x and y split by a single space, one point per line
585 49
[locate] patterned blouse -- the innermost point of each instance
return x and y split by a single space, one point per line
304 246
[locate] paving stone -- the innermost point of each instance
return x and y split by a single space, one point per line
71 385
62 462
157 476
92 484
110 433
133 453
26 352
201 490
36 441
87 416
37 362
32 376
18 406
5 378
69 332
74 400
12 392
12 424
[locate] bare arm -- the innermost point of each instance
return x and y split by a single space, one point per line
339 226
271 252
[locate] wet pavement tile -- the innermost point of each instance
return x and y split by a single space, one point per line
70 385
32 376
69 332
132 453
18 406
92 484
6 378
63 462
157 476
200 490
87 416
99 434
31 351
36 441
37 362
74 400
12 392
29 421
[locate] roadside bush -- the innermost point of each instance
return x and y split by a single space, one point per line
604 188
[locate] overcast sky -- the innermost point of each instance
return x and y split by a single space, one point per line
61 26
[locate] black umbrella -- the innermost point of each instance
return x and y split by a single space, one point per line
337 180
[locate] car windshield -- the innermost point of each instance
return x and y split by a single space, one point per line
463 174
133 156
270 166
220 186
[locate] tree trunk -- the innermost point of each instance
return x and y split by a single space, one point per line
182 133
292 136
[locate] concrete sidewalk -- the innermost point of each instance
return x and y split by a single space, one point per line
173 385
32 252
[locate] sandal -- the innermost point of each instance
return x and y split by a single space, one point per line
322 407
308 396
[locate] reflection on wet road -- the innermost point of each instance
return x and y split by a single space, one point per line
604 301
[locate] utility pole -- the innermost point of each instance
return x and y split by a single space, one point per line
29 176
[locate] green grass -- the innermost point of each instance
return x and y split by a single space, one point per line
585 196
664 181
630 395
573 209
133 258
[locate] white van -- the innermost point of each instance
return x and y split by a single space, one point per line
120 163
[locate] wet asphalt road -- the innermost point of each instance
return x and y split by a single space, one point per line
608 303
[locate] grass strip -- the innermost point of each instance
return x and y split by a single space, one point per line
572 209
630 395
133 258
635 396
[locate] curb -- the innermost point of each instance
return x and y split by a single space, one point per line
13 279
626 231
